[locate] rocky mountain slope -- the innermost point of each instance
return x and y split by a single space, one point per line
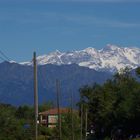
111 58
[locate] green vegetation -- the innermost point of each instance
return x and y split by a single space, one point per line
18 124
113 112
114 107
66 127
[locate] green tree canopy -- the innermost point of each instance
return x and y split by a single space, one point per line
115 104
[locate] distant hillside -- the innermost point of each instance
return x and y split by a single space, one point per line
16 82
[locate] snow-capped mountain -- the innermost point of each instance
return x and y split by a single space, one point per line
111 58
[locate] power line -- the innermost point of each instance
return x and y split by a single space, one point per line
5 56
72 117
81 117
2 58
35 96
58 107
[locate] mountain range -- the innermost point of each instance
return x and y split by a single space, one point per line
16 82
73 69
111 58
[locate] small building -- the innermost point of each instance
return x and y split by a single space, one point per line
50 117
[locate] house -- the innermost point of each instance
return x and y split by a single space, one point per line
50 117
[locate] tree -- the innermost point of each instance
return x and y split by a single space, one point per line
113 105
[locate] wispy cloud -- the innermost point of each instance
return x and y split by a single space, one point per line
97 1
53 19
99 21
104 1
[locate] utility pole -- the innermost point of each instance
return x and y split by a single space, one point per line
72 119
86 116
58 107
35 95
81 121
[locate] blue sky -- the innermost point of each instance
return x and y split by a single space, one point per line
47 25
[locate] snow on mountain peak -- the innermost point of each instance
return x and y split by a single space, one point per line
56 52
110 47
110 58
90 49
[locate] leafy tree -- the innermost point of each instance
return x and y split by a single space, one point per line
113 105
45 106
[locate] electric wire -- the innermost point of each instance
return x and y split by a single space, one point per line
2 58
6 58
